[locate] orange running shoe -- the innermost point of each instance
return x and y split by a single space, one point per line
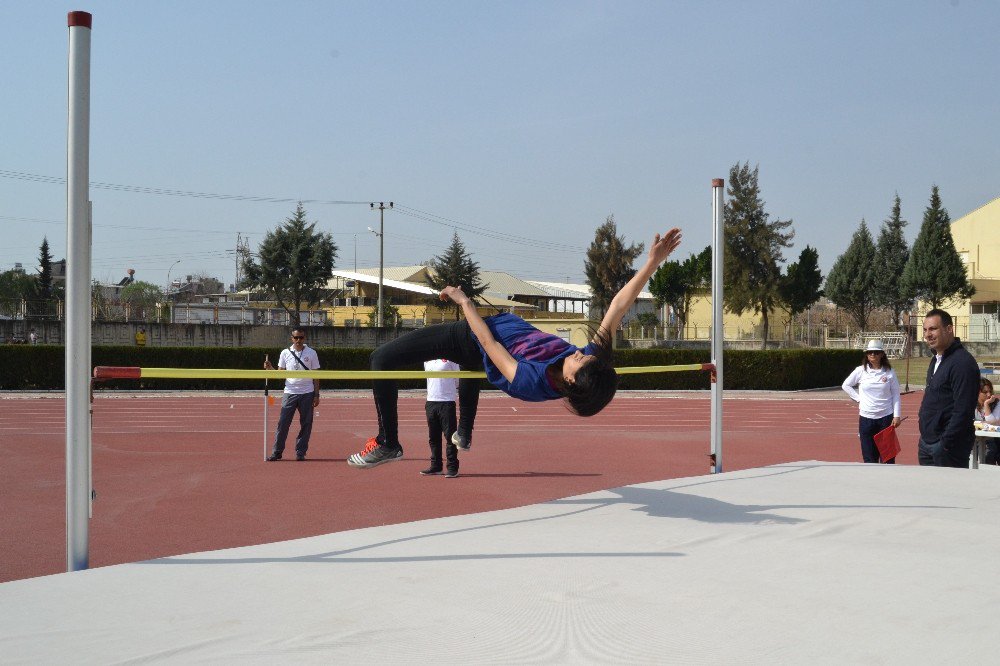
374 454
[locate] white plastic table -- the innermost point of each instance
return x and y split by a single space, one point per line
979 448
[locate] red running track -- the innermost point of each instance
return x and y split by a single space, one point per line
186 474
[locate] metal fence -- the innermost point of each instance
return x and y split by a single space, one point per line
356 315
894 342
18 309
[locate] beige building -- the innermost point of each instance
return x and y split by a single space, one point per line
558 308
735 327
977 239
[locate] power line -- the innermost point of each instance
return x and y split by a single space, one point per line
200 230
489 233
426 216
142 189
406 210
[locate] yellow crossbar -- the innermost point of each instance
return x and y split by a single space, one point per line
105 372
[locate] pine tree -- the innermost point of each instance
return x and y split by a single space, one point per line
851 282
934 272
296 262
608 266
455 268
891 255
44 270
802 284
753 249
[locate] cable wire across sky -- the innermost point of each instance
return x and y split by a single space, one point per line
411 241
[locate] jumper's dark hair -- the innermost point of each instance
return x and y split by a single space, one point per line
885 359
596 382
938 312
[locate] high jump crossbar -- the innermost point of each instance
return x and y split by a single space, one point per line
102 373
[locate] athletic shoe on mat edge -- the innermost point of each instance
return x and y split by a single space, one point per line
374 455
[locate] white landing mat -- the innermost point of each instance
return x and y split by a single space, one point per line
798 563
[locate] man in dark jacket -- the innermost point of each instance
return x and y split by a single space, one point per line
952 390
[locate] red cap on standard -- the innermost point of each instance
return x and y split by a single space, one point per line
718 182
79 19
112 372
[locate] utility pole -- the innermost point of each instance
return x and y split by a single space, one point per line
236 275
242 254
381 255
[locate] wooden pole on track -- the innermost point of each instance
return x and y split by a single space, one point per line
267 359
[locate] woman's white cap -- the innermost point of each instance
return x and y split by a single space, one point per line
874 345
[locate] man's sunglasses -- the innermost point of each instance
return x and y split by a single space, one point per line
298 337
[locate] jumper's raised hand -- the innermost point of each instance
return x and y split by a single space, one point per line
453 294
662 247
659 250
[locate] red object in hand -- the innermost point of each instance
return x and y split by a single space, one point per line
887 443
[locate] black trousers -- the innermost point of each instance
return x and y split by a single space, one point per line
933 453
453 341
992 456
441 422
867 429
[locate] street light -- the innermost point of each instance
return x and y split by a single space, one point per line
168 272
381 246
159 307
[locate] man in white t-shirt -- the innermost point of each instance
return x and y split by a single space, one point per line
301 395
441 417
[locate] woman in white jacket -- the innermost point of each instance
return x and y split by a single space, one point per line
874 386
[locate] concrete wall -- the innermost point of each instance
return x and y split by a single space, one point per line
980 350
202 335
216 335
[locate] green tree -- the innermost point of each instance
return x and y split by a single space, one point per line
801 286
608 265
141 299
99 302
646 319
851 282
391 318
934 272
891 255
44 270
15 285
675 284
295 263
455 268
753 249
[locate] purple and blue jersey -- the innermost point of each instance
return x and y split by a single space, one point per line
534 352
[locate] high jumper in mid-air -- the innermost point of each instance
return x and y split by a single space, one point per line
519 359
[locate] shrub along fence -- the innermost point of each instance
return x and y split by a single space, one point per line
42 367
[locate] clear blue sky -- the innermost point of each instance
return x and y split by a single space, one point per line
523 125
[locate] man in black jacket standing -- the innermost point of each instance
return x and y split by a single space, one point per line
952 389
